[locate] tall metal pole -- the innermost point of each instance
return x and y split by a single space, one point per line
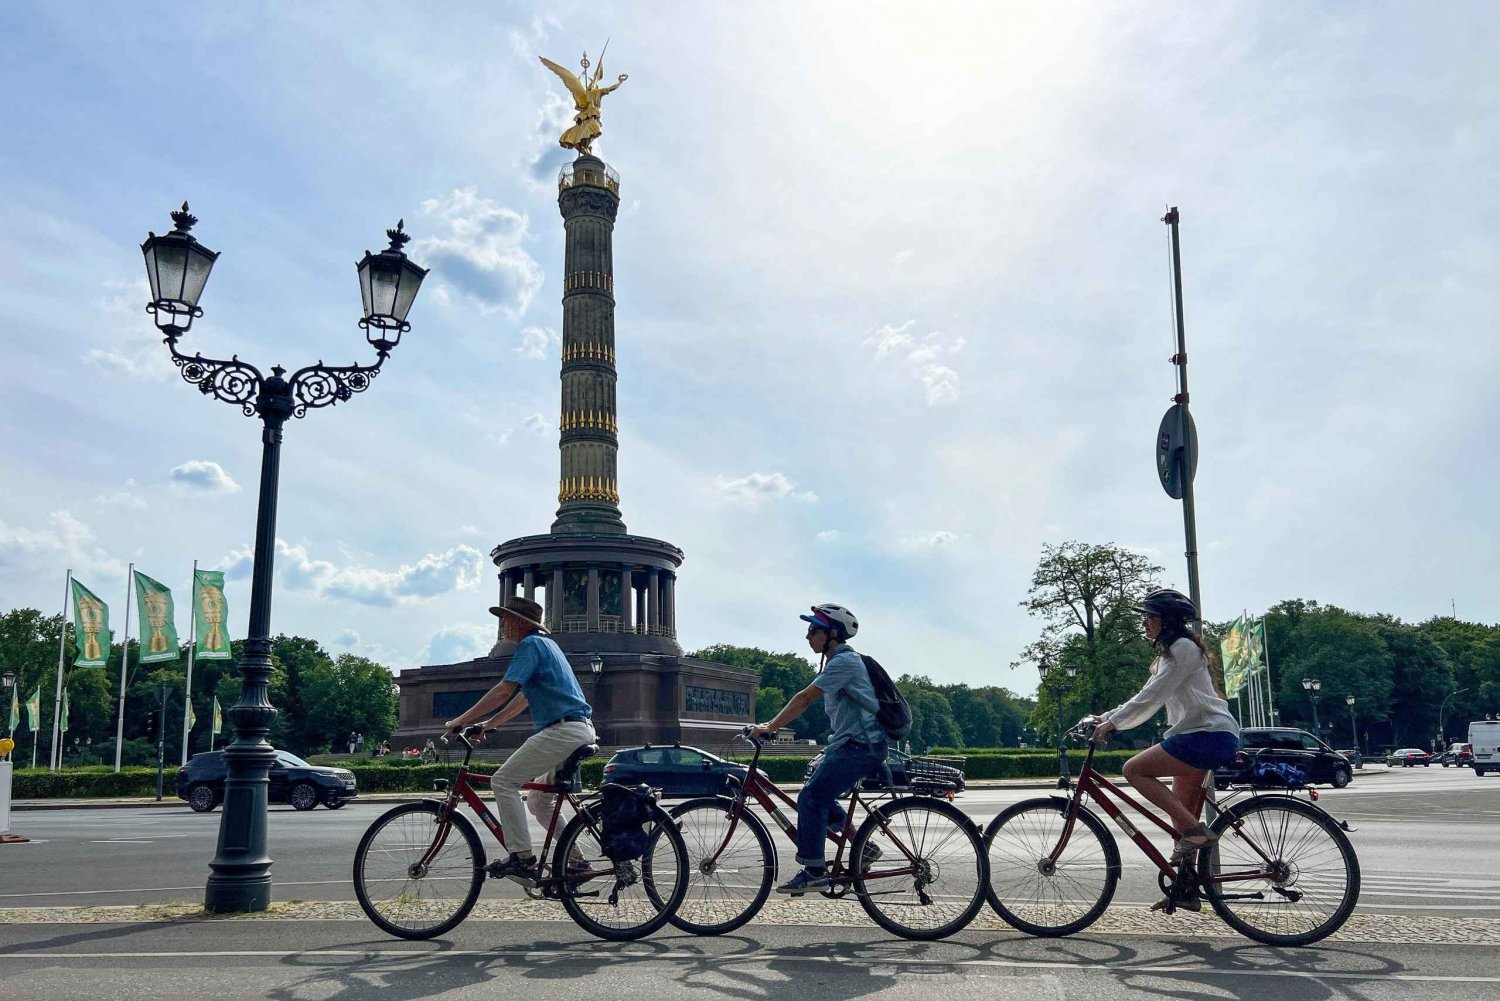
1062 740
124 663
162 693
54 757
188 691
1189 516
241 878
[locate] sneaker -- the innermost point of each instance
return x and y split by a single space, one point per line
580 869
522 870
803 882
869 856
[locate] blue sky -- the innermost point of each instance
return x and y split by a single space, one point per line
893 304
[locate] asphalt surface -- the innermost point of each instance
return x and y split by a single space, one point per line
343 961
1427 841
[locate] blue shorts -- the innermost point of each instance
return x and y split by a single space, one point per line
1205 749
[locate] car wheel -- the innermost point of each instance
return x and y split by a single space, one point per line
334 804
303 797
1426 764
1341 777
202 798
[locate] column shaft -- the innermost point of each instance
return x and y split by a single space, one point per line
627 600
555 600
529 583
593 605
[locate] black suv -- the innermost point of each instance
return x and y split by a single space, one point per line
925 778
675 770
294 781
1285 746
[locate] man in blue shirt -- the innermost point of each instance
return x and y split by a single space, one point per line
539 678
855 749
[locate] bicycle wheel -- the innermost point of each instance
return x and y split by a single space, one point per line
1281 871
927 877
1036 894
401 895
626 900
728 885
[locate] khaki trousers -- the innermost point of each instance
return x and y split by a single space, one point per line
534 761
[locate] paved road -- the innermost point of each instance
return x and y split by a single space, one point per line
1427 841
345 961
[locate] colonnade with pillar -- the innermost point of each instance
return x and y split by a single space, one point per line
615 598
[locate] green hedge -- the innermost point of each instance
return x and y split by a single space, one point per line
101 780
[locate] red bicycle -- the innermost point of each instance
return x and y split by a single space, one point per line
1279 871
420 866
922 872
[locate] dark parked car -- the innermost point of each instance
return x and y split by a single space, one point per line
676 770
1461 755
1355 758
1285 746
293 781
1406 757
928 778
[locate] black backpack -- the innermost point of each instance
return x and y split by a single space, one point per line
623 817
893 714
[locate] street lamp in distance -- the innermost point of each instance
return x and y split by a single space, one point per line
1312 686
7 683
1057 686
1353 727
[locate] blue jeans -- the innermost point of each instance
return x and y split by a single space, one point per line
818 806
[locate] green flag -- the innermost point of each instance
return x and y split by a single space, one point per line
218 717
1255 646
209 609
90 627
158 620
1232 651
34 710
15 710
192 716
63 723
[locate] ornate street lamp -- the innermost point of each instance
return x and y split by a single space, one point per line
1057 686
1312 686
177 266
1353 727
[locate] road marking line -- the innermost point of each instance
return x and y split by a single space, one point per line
160 889
768 957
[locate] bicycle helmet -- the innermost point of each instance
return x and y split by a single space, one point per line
834 618
1167 604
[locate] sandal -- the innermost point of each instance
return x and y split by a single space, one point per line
1193 903
1190 843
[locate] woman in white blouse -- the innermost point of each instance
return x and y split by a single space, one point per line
1202 735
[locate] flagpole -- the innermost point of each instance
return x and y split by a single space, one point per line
1265 648
187 704
124 663
62 640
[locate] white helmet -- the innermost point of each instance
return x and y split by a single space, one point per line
828 615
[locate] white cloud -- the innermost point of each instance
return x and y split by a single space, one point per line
525 42
828 535
537 342
929 540
127 496
481 257
460 568
460 641
202 476
134 349
347 637
65 541
553 118
940 383
468 529
759 487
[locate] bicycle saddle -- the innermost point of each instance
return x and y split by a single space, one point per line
568 770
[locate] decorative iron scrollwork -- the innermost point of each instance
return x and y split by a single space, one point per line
325 385
232 381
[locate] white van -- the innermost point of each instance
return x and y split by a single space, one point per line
1484 735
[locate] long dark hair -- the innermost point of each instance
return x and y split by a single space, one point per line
1173 630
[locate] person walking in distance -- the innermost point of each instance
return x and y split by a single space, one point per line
1202 733
856 748
540 679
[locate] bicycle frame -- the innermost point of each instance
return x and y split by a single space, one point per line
1100 789
463 788
758 784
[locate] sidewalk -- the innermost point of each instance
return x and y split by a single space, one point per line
401 797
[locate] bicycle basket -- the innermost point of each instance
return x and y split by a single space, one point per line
1277 775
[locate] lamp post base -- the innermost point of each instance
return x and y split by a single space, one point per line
229 895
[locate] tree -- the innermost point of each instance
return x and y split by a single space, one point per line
784 672
350 693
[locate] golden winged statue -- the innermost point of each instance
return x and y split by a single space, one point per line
587 96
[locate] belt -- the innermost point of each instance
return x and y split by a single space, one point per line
567 719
